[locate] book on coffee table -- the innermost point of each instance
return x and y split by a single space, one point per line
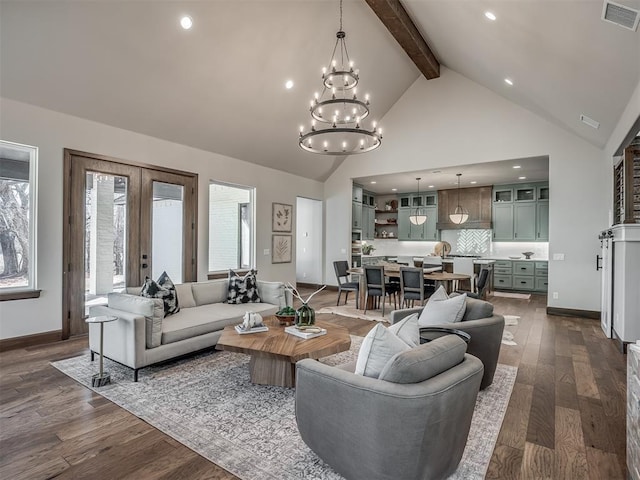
242 331
293 330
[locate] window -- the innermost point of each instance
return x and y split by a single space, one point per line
17 217
231 227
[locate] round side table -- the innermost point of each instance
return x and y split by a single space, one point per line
101 379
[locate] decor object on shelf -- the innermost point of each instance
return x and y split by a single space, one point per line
305 315
251 320
442 249
528 255
367 249
418 217
460 214
339 109
281 249
281 217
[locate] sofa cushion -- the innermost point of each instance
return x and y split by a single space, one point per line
185 295
191 322
272 292
133 290
442 309
213 291
377 348
476 309
407 330
153 289
150 308
425 361
243 289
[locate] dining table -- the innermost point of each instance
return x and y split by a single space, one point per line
446 279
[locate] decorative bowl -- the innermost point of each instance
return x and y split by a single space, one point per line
514 257
528 255
286 319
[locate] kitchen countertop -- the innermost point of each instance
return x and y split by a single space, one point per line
487 260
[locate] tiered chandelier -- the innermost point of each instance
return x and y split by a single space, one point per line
337 113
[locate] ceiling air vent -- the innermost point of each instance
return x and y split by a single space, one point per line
620 15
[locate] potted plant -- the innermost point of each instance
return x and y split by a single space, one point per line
367 249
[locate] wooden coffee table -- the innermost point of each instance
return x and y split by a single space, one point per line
274 353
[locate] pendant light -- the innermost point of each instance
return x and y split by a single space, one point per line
418 217
460 214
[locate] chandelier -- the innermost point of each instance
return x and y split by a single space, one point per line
460 214
337 113
417 217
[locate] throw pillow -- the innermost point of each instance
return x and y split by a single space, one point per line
377 348
243 289
408 330
165 291
442 309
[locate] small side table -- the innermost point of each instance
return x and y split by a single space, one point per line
101 379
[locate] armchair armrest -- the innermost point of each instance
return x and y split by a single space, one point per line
396 315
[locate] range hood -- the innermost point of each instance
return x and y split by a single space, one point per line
477 201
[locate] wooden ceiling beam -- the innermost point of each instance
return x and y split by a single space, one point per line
397 20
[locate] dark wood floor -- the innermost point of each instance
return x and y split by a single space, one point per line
565 420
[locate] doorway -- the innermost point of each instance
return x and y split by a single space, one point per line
308 241
122 222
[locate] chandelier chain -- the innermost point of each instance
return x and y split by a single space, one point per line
340 15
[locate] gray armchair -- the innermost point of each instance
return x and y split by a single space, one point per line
484 327
376 429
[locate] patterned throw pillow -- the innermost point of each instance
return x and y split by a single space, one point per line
243 289
164 289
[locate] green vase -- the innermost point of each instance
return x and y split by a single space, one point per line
305 316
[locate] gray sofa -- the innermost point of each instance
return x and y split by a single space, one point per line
142 336
410 423
484 327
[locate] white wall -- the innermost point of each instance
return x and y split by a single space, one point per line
51 132
453 121
309 240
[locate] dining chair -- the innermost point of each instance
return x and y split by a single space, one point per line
341 268
464 266
377 287
431 261
481 285
413 287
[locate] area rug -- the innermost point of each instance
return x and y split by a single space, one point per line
353 312
523 296
207 403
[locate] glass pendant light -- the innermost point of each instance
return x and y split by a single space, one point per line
460 214
418 217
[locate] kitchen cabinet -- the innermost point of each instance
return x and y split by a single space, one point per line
386 221
426 231
524 218
542 221
520 275
502 222
477 201
356 215
357 193
524 222
368 222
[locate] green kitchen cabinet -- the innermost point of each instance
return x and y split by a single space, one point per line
542 221
368 222
430 231
502 222
524 222
356 215
426 231
404 225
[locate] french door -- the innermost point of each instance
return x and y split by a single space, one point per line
122 222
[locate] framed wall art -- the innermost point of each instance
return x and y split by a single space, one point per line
281 217
281 248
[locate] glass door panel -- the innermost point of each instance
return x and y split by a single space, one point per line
167 230
105 236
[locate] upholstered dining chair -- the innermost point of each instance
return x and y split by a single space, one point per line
481 286
341 268
413 287
377 287
464 265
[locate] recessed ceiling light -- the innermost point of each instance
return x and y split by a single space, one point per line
289 84
374 182
430 186
516 166
394 189
490 15
522 178
473 183
186 22
508 81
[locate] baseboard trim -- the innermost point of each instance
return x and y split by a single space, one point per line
25 341
572 312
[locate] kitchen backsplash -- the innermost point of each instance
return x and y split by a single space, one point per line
463 242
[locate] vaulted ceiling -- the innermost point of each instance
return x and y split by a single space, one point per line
220 85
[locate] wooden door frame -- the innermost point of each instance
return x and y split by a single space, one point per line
70 269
